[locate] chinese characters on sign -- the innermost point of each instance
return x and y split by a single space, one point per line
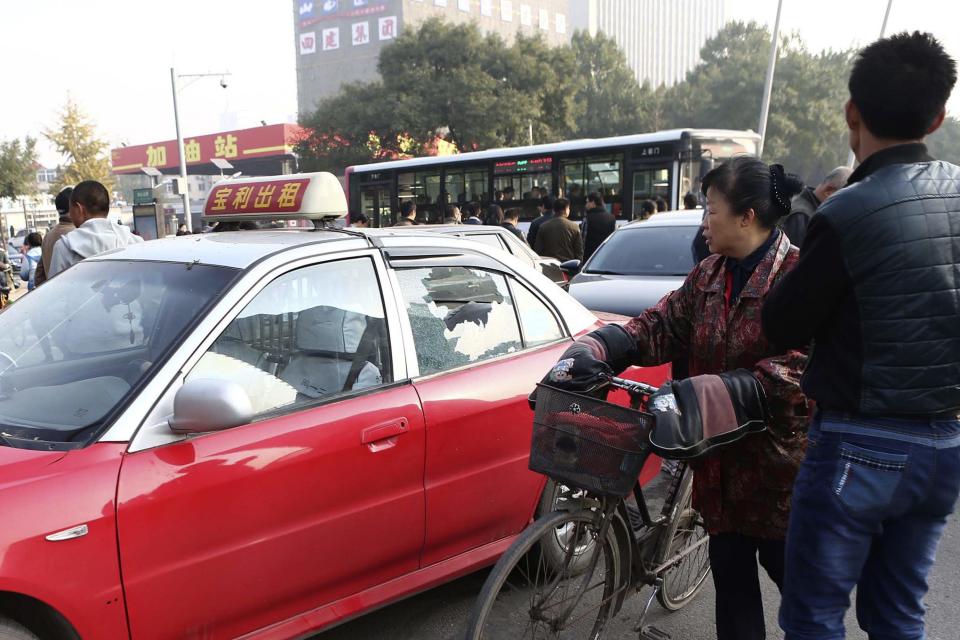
264 197
191 150
331 39
308 43
361 33
225 147
156 156
388 28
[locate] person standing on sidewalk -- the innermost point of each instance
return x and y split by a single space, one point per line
95 233
63 227
598 223
876 288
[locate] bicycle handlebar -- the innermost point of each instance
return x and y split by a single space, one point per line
632 386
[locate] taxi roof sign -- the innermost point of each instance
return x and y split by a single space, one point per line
317 196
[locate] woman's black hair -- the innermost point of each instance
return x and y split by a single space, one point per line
494 215
748 183
33 239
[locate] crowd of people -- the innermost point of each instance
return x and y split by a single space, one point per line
851 483
82 231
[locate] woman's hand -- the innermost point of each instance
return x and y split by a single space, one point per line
582 367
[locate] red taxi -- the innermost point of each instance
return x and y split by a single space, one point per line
264 433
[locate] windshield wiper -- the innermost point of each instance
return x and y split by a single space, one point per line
37 444
605 272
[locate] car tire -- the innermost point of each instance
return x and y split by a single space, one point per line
10 630
553 551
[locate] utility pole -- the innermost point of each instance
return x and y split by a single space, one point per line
852 158
176 120
183 158
768 84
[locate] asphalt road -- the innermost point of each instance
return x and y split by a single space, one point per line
439 614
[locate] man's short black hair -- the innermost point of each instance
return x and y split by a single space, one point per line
62 202
900 84
547 203
93 196
689 200
33 239
595 199
511 214
359 218
560 205
471 209
407 207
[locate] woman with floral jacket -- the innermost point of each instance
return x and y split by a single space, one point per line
742 490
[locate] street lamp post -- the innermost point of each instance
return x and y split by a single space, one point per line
176 120
852 158
768 84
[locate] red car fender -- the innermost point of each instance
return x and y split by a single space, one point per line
48 492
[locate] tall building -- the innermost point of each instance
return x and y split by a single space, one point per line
339 41
661 38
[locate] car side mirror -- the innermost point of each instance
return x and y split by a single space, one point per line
570 267
204 405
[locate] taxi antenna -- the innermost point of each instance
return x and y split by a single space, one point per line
325 225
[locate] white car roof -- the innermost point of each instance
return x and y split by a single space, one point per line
682 218
243 249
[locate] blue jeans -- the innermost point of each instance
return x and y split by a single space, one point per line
869 506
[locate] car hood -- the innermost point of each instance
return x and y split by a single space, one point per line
18 465
627 295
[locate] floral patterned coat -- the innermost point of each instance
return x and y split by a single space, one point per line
744 487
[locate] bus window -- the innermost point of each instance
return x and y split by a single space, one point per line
648 183
424 188
476 183
467 185
581 176
527 190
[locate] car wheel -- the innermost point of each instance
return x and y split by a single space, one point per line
554 548
10 630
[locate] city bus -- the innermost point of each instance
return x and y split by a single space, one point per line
626 170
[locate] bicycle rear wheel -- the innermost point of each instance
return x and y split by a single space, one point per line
685 540
526 596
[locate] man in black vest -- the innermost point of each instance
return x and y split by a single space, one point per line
598 223
877 288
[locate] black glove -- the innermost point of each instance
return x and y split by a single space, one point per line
697 414
579 369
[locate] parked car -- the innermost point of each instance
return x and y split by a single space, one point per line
265 433
499 238
638 264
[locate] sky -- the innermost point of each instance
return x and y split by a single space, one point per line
113 57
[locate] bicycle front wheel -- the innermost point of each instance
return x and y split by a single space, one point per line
684 552
530 597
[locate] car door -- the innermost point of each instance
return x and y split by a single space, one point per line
482 340
317 499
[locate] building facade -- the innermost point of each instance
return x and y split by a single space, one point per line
661 38
339 41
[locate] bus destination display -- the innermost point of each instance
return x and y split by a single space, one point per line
530 165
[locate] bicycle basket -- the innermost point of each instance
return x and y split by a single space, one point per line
588 443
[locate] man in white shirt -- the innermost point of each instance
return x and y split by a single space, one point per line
95 234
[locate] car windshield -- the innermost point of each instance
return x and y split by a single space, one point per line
645 251
75 349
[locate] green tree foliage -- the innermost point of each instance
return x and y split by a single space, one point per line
806 131
611 100
18 168
87 156
477 93
944 143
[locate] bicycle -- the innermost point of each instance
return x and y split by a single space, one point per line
610 547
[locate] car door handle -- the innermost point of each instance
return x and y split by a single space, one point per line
384 435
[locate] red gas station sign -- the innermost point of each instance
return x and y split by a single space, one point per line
258 142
